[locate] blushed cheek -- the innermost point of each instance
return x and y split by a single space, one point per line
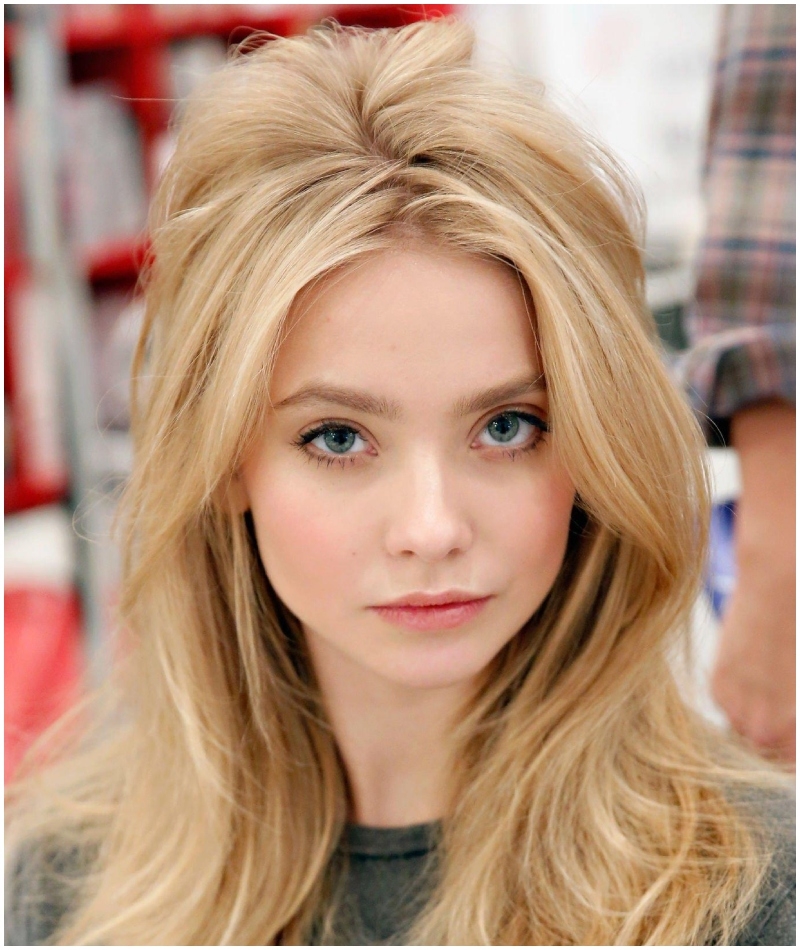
305 547
541 537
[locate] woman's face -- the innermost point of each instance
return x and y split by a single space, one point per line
406 454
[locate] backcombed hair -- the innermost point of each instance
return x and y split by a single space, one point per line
592 805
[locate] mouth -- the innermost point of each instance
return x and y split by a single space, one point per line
444 615
443 598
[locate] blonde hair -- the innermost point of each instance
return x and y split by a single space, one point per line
590 805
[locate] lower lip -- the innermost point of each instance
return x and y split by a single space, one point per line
443 617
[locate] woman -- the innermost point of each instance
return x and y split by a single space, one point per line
415 524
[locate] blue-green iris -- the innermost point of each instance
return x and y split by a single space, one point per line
339 440
504 427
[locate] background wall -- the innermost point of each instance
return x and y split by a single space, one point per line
639 75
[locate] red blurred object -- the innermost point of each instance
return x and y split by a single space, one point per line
35 477
44 664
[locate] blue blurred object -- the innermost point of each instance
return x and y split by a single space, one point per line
721 568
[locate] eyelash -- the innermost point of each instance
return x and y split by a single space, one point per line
302 443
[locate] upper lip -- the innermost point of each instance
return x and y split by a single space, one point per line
434 600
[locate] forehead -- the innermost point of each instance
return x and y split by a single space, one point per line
420 317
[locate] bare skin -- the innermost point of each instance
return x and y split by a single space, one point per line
754 677
432 498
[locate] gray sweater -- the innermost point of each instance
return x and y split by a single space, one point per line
390 872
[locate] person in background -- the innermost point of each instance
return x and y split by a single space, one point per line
741 366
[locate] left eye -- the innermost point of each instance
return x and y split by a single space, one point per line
513 429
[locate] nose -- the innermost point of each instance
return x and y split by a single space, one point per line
425 519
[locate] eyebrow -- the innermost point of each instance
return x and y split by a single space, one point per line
378 406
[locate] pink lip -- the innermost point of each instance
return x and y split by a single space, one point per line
433 600
443 616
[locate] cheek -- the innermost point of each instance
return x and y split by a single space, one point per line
303 539
540 526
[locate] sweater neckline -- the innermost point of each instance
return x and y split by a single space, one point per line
406 841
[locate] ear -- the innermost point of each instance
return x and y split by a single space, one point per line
236 499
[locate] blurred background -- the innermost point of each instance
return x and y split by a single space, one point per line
89 91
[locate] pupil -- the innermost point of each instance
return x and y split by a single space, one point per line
505 427
339 440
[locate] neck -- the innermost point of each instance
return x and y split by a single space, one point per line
395 741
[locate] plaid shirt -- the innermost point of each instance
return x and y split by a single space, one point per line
741 323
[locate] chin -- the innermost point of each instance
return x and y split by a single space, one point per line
437 668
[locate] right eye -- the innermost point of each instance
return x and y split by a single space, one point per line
332 442
338 439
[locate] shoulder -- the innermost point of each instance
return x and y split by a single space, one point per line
41 884
774 921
